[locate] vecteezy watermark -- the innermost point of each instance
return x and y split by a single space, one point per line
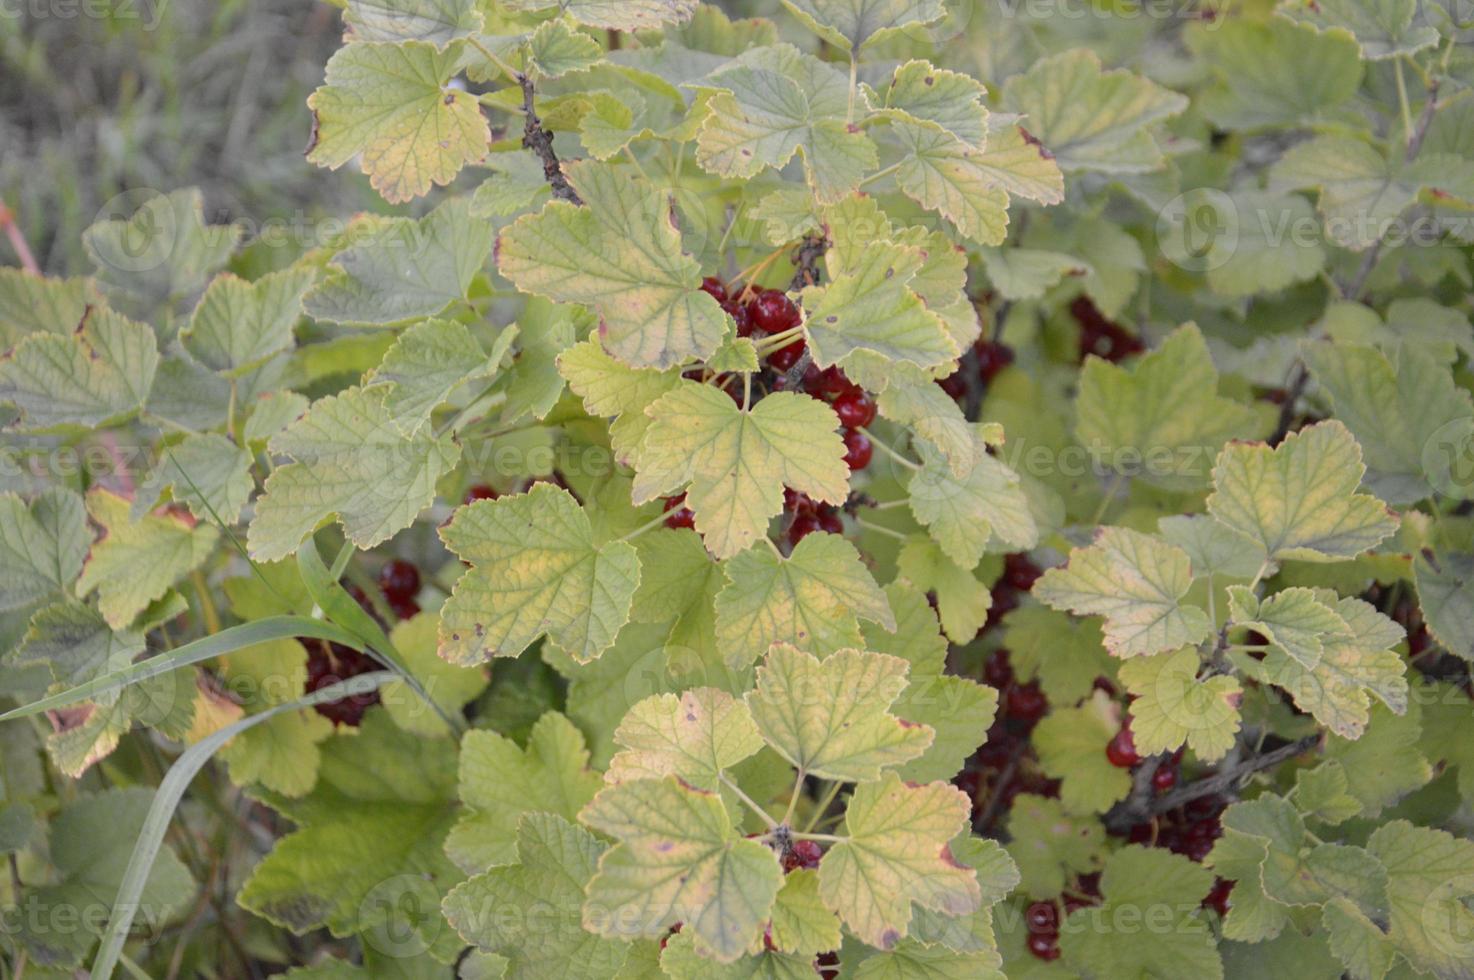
1448 459
401 916
147 13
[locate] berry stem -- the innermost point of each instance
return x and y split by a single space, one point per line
824 838
781 339
654 522
823 805
751 805
889 532
883 447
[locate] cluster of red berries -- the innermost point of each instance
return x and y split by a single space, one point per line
399 580
1042 919
989 358
1019 576
1189 830
329 663
1100 336
766 312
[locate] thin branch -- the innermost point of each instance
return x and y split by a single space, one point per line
1224 778
537 139
807 273
751 804
18 242
1137 806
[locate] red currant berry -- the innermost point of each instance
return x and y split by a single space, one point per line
480 491
399 580
1020 572
855 409
954 385
1122 750
715 288
1165 777
797 503
992 358
803 854
786 357
996 669
1218 898
743 316
774 312
857 450
678 515
803 525
404 608
1042 918
829 521
329 663
1026 702
1045 947
832 383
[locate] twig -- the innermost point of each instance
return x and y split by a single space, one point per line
1137 806
540 141
1293 391
18 242
984 822
1225 778
810 251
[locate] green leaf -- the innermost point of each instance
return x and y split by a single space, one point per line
683 959
1173 706
1151 885
536 570
854 24
34 304
972 933
398 811
957 709
1161 419
1430 878
90 843
1352 668
942 173
207 473
161 254
1213 548
1383 28
869 306
1294 620
1090 119
1028 273
1299 499
1273 72
735 463
499 782
813 600
543 332
984 509
1065 654
678 859
427 363
802 923
438 21
896 854
772 102
96 376
282 752
135 562
1297 870
557 49
911 398
1382 763
611 389
1071 744
832 718
554 861
617 15
1015 161
924 93
449 686
42 546
400 269
1050 846
391 105
1446 598
349 461
75 643
1136 582
962 599
679 584
694 737
238 325
1393 408
1246 242
620 255
1321 793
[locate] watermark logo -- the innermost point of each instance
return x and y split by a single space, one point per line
1199 230
1448 459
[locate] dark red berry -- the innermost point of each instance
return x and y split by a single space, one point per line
1218 898
480 491
1020 572
743 317
954 385
774 312
829 521
786 357
992 358
996 669
715 288
1026 702
1045 947
832 383
1042 918
804 524
329 663
855 409
857 450
795 502
1165 777
1122 750
404 608
399 580
677 514
803 854
1089 884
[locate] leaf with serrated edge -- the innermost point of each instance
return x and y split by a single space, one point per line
962 599
1430 878
620 255
832 718
812 599
427 363
678 859
239 324
895 853
617 15
1136 582
535 570
612 389
1294 620
964 514
735 462
920 91
801 921
693 736
1048 844
42 545
942 173
854 24
1172 706
206 472
1071 746
135 562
